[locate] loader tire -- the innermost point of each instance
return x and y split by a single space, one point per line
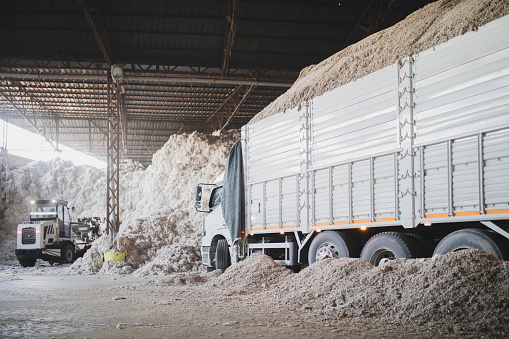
386 246
475 239
332 244
68 253
222 259
27 262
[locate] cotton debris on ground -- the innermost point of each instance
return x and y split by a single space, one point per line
464 290
160 228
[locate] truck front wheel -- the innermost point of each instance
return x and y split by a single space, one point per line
68 253
332 244
387 246
475 239
222 259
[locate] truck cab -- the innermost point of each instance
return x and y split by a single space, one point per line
214 227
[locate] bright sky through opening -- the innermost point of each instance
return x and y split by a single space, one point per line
30 145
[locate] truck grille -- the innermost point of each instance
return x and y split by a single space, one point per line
28 236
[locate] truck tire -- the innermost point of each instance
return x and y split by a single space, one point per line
332 244
68 253
27 262
222 258
475 239
427 246
386 246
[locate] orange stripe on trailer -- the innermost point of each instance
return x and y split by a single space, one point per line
437 215
346 222
384 219
497 211
363 221
465 214
256 228
322 224
272 228
289 226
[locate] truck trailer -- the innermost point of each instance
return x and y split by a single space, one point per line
409 161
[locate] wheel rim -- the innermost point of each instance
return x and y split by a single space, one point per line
68 254
326 251
382 256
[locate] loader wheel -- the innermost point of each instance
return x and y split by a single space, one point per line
68 254
222 259
27 262
475 239
386 246
332 244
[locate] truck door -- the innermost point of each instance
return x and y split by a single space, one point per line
215 218
67 222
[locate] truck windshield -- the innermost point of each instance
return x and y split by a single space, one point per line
215 198
43 211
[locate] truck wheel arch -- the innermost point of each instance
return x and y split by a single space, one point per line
332 244
475 239
388 246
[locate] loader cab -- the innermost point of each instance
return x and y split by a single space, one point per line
50 210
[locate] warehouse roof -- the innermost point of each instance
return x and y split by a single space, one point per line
188 65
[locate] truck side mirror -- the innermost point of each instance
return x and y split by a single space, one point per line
197 197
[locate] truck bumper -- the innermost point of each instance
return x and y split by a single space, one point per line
205 255
52 255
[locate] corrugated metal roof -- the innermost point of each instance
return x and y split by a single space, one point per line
172 52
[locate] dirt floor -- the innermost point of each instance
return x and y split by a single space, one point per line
47 306
177 306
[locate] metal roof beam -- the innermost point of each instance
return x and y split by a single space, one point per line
30 122
369 21
97 29
246 94
229 37
218 80
95 68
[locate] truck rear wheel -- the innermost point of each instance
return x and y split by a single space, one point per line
426 245
386 246
332 244
27 262
68 253
473 238
222 259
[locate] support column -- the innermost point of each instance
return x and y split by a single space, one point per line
113 162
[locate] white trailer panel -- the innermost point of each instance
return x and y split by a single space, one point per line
422 139
462 86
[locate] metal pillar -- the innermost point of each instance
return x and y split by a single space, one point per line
113 157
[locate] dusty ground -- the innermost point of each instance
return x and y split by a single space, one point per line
47 306
177 306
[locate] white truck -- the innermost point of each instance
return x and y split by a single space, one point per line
409 161
50 235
